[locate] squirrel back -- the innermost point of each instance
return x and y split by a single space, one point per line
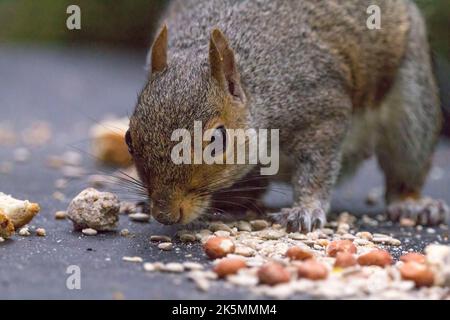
281 45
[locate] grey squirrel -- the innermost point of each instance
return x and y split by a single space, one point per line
337 91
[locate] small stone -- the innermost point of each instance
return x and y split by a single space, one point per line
2 239
259 224
24 232
160 238
41 232
165 246
132 259
60 215
139 217
89 232
94 209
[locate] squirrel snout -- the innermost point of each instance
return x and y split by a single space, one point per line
178 212
166 216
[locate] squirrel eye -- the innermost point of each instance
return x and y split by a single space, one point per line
222 133
128 141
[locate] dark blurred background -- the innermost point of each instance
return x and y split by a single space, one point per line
129 24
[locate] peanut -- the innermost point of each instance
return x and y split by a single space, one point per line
273 273
375 257
340 246
218 247
229 266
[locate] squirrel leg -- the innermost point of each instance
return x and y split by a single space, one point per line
316 168
409 127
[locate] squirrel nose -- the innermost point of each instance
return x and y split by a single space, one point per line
166 216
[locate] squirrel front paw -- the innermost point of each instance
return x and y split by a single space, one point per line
424 211
303 219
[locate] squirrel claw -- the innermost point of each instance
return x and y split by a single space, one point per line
424 211
300 219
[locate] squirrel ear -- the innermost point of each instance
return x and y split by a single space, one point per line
223 65
158 58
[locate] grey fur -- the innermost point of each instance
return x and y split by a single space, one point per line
309 68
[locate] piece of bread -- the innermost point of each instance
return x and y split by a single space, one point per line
108 142
18 212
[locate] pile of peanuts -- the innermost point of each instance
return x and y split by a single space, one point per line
334 262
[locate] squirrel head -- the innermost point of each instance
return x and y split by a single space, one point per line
177 94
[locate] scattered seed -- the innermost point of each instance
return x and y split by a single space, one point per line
41 232
173 267
165 246
148 266
132 259
244 226
407 222
160 238
139 217
222 233
89 232
124 232
188 237
270 234
258 225
192 265
60 215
